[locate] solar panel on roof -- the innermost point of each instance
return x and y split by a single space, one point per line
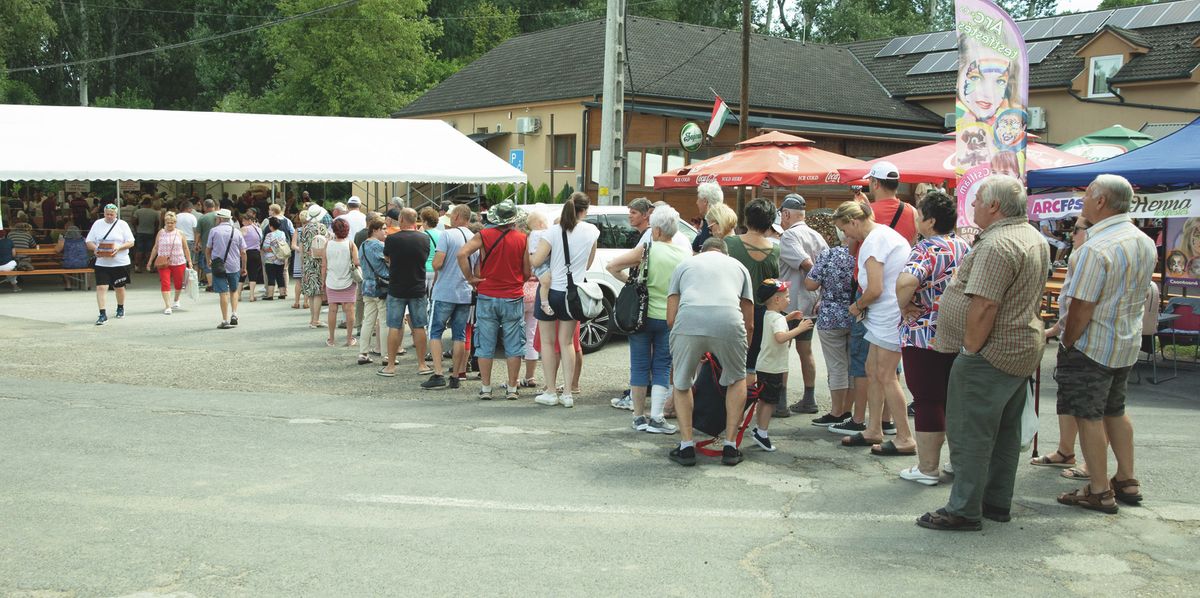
922 66
928 44
1038 51
1123 16
1091 23
1149 16
890 48
948 62
1065 25
1041 27
1024 26
1194 15
1177 13
910 45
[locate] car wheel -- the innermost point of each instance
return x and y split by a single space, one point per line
594 333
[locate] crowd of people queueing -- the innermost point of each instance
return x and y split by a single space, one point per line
897 286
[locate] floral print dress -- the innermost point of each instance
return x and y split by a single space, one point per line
311 282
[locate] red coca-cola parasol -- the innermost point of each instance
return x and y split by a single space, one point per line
935 163
777 158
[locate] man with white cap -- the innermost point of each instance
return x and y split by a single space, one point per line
799 245
110 239
353 215
226 253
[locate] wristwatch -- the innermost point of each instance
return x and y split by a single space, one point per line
964 351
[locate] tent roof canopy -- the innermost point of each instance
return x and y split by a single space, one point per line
56 143
1171 161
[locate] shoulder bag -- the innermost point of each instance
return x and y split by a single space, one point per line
92 260
161 260
585 300
629 312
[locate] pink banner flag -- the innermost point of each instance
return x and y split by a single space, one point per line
992 94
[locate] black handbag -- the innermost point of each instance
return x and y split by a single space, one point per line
218 263
629 313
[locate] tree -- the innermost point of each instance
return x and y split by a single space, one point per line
1114 4
24 27
371 61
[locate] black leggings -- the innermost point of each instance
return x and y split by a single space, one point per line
274 275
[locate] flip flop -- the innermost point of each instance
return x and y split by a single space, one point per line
1075 473
857 440
385 374
887 448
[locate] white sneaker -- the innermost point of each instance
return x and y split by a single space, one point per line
947 468
660 426
567 401
548 399
623 402
913 474
175 305
167 311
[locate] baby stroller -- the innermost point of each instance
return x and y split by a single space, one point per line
708 415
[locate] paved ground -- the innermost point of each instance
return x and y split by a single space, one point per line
160 456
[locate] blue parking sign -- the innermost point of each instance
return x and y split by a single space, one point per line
517 159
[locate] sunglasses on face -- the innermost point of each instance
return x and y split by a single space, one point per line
1078 229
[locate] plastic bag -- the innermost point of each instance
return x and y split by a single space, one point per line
1029 419
192 284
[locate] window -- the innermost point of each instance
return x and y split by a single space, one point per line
633 168
654 165
675 159
1103 68
563 152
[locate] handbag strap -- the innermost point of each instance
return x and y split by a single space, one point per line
567 257
643 270
488 250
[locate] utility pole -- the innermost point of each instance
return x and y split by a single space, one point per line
611 166
83 68
744 109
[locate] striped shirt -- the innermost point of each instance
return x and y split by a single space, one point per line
1113 270
1007 265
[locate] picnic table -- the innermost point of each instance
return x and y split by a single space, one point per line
47 262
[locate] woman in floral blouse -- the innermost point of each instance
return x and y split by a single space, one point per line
313 238
918 289
833 274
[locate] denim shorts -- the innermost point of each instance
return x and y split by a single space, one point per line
650 355
417 316
859 347
558 304
223 283
499 320
454 314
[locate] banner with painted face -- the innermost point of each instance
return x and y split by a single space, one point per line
992 94
1183 252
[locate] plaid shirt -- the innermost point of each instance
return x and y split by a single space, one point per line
1008 265
1113 270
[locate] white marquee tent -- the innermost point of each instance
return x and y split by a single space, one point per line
56 143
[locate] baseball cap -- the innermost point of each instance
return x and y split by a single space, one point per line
353 201
769 288
884 171
794 201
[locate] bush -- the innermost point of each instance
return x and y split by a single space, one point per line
494 194
510 192
565 193
543 194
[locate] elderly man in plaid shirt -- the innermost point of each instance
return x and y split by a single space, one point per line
989 316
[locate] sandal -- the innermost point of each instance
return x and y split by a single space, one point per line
1048 461
1132 499
944 521
1075 473
329 342
887 448
1084 498
526 383
858 440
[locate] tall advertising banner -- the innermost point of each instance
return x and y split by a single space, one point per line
1183 252
992 95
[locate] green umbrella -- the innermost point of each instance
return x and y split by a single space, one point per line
1106 143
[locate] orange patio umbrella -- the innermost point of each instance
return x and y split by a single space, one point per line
776 158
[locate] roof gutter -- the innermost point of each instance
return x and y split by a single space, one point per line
1122 102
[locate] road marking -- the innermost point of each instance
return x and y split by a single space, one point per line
510 430
307 420
410 426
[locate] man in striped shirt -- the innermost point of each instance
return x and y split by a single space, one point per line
1101 338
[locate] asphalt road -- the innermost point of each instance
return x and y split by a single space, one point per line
159 456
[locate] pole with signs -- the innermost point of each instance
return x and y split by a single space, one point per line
992 97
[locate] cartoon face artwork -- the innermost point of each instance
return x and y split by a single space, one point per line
985 86
1176 263
1010 129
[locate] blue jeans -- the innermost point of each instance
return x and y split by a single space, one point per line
224 282
650 355
417 316
858 350
454 314
499 319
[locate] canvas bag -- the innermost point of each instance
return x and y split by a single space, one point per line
585 300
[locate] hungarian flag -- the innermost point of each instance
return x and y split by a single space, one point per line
720 111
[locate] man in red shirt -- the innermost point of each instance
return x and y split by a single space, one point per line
884 179
499 282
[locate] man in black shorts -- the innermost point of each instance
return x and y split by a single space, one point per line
110 239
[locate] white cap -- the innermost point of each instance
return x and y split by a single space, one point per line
884 171
353 201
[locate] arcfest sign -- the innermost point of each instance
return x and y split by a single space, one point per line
1172 204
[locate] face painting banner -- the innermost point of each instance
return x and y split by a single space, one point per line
992 92
1183 252
1172 204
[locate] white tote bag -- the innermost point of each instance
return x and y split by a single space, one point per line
192 284
1029 419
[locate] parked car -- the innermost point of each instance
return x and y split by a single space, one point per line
616 236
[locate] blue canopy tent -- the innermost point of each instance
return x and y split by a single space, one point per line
1172 161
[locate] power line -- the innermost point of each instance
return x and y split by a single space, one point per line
193 42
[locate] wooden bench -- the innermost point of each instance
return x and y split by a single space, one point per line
46 262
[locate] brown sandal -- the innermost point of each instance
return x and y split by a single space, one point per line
1048 461
1084 498
1129 498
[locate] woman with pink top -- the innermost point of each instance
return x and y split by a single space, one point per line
171 247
